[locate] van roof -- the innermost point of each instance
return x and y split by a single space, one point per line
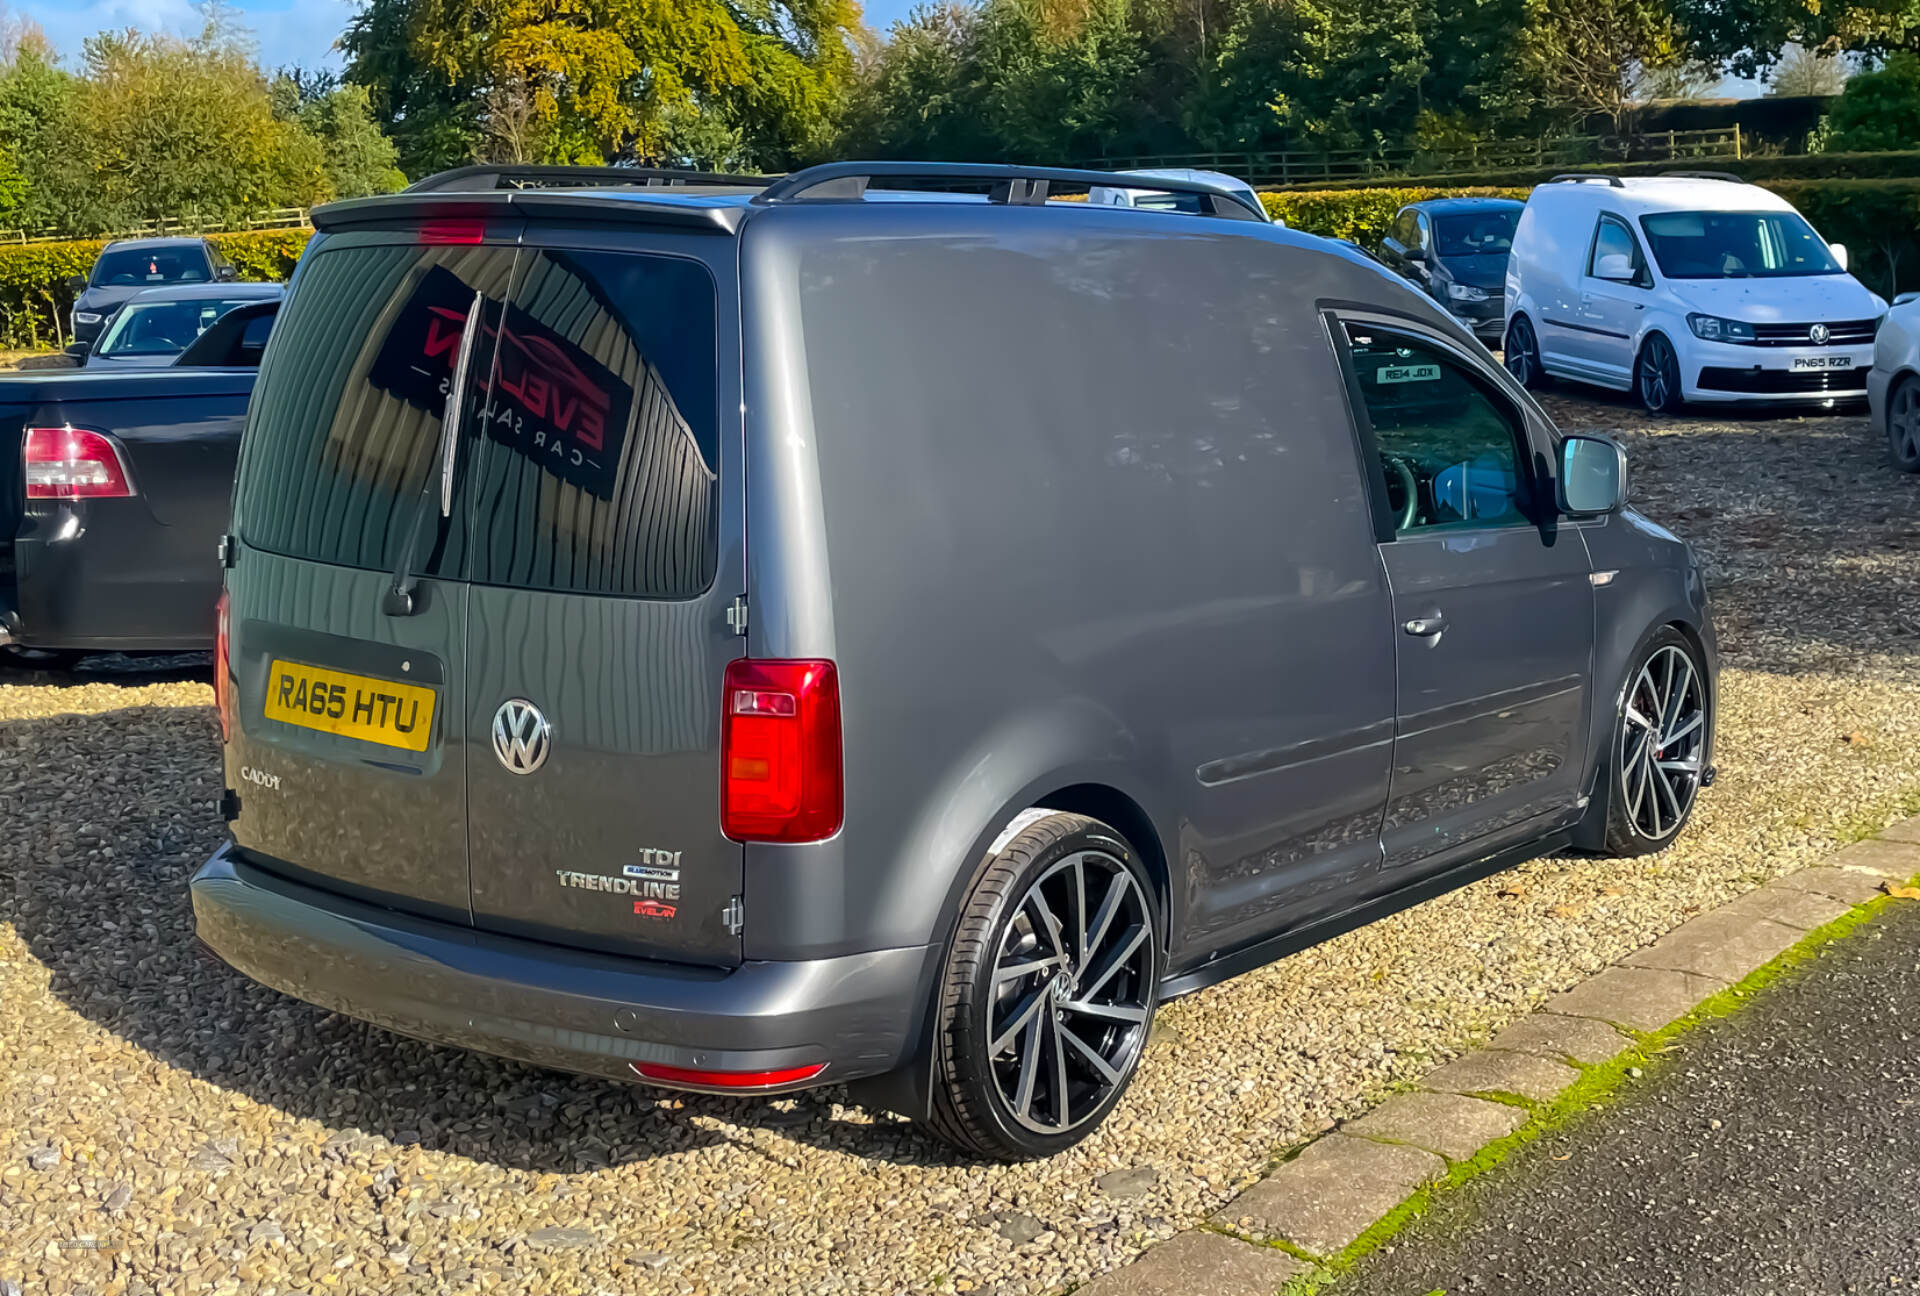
1662 193
719 203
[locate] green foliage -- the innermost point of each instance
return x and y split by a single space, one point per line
1361 215
1751 36
598 80
358 157
35 300
1768 168
1878 110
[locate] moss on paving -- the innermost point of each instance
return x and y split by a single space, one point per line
1597 1084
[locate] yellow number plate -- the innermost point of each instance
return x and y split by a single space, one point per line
353 706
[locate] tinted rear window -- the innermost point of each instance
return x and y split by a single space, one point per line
588 455
599 474
346 419
136 267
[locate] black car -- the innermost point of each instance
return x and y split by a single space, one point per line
133 265
113 497
1455 249
156 325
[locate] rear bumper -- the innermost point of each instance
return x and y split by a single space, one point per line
105 575
543 1004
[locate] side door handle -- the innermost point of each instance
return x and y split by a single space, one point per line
1426 627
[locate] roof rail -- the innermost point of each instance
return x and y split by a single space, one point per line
1727 176
1019 186
487 176
1581 177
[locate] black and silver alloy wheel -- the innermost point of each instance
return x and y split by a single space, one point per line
1657 376
1522 354
1049 992
1903 426
1071 996
1661 748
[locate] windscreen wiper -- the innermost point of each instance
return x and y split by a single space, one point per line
398 600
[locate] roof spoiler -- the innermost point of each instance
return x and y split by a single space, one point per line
1018 186
1588 177
485 177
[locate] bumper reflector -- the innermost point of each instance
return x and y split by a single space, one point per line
673 1075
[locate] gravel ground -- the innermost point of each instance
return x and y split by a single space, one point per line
166 1126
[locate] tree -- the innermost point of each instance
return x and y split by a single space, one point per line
1878 110
359 159
1751 36
1805 72
1577 59
596 80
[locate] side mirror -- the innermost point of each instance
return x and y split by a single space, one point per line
1901 299
77 283
226 274
1614 267
1839 251
1415 254
1593 476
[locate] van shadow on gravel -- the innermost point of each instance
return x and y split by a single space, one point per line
111 813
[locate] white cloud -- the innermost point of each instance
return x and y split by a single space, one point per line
287 31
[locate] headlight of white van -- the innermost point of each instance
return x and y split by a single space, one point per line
1466 292
1715 329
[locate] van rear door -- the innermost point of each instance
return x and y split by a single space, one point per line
348 604
607 551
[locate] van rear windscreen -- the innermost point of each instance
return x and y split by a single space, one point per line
587 460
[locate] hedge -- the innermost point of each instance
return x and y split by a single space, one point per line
35 300
1811 166
1878 220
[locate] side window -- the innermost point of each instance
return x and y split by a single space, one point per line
1613 239
1421 236
1450 450
1403 231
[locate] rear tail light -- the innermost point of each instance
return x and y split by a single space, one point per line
441 233
72 463
673 1075
222 668
780 777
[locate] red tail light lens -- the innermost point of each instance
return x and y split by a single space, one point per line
71 463
222 669
780 778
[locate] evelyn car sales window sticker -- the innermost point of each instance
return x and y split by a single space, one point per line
552 402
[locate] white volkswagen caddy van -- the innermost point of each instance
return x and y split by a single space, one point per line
1684 287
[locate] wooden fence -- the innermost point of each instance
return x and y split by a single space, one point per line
276 218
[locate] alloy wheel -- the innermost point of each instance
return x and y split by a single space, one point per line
1663 743
1656 374
1519 353
1903 426
1072 992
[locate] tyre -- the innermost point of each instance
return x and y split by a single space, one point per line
1522 354
1657 756
1656 376
1047 992
1903 425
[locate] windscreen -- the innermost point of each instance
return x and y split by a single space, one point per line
162 328
1736 245
1488 233
124 267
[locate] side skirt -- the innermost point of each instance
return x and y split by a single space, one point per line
1274 948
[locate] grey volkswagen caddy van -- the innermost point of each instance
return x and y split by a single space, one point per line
887 626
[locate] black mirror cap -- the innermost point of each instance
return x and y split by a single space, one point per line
1592 480
78 283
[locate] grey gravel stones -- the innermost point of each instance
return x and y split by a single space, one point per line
1128 1183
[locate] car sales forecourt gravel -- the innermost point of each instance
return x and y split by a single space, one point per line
168 1126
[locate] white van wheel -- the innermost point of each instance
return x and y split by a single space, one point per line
1656 376
1522 353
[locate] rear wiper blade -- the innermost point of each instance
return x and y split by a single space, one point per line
398 600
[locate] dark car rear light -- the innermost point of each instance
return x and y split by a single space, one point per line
780 774
673 1075
222 668
72 463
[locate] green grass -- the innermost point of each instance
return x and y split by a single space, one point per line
1596 1084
